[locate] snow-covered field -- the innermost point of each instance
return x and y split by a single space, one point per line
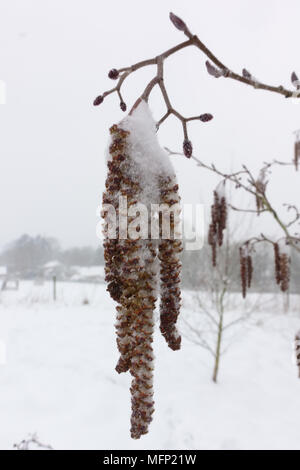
59 379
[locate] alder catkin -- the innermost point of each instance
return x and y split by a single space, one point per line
133 266
282 264
218 221
297 351
170 267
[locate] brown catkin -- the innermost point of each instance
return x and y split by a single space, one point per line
282 268
277 263
297 351
217 225
170 267
131 282
243 268
142 359
284 271
249 270
246 268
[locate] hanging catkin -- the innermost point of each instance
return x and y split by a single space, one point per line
218 220
170 267
297 351
139 170
282 264
246 268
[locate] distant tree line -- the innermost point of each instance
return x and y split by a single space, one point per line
28 253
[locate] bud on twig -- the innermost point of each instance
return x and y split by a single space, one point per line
178 23
295 80
113 74
247 74
98 100
123 106
187 148
212 70
206 117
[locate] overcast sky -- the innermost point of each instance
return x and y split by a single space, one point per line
54 58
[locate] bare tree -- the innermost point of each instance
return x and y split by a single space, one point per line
32 442
218 309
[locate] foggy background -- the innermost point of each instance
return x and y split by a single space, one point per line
54 58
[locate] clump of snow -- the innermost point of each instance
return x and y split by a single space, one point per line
284 247
220 189
3 270
144 149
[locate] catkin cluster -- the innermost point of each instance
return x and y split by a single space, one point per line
131 270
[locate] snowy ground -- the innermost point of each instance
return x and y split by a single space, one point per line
59 380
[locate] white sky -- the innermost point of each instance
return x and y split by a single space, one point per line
54 57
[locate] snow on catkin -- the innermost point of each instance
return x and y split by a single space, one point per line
140 170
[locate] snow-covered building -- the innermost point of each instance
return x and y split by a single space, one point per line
88 274
3 272
54 268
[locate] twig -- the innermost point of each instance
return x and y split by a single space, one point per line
221 71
